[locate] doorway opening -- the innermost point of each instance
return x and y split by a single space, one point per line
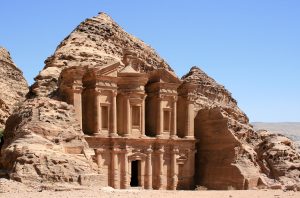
134 182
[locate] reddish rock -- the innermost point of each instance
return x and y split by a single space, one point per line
13 85
44 144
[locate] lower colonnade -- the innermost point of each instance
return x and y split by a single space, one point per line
145 163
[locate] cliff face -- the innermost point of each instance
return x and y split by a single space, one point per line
229 151
223 158
13 85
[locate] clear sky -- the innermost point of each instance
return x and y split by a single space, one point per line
250 46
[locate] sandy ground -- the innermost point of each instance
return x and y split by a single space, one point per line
13 189
103 193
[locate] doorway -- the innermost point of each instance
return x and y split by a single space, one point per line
134 182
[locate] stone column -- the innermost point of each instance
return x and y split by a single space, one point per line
114 168
125 170
148 179
98 111
190 120
174 169
159 124
161 166
174 120
142 174
77 101
191 157
99 157
128 117
143 117
113 122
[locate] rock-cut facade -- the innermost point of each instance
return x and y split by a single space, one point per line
140 125
107 110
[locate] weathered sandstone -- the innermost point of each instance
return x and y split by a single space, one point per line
107 110
279 160
44 143
223 157
13 85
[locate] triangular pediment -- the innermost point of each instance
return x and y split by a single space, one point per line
110 70
164 76
128 70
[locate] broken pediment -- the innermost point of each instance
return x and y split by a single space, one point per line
164 76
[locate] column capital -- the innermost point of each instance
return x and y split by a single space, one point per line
77 87
160 150
100 150
98 90
149 150
175 150
160 97
175 98
190 98
114 93
116 150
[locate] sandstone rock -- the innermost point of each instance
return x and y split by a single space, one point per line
279 159
224 159
44 143
13 84
94 43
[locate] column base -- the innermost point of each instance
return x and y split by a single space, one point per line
189 137
113 135
126 135
97 134
173 137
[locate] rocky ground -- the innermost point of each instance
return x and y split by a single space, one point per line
103 193
12 189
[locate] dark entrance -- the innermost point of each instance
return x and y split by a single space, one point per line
134 182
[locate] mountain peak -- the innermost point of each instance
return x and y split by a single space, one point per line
5 55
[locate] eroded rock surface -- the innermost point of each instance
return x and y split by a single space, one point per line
224 159
279 159
13 86
44 143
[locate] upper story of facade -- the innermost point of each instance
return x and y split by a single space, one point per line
120 100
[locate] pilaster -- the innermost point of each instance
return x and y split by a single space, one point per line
113 127
148 178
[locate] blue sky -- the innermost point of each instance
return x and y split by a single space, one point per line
250 46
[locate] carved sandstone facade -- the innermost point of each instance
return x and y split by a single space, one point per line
141 126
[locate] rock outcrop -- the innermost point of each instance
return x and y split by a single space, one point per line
13 84
45 143
279 160
224 158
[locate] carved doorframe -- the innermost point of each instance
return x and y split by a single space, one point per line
141 157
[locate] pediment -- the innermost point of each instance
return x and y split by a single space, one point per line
108 70
164 76
128 70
